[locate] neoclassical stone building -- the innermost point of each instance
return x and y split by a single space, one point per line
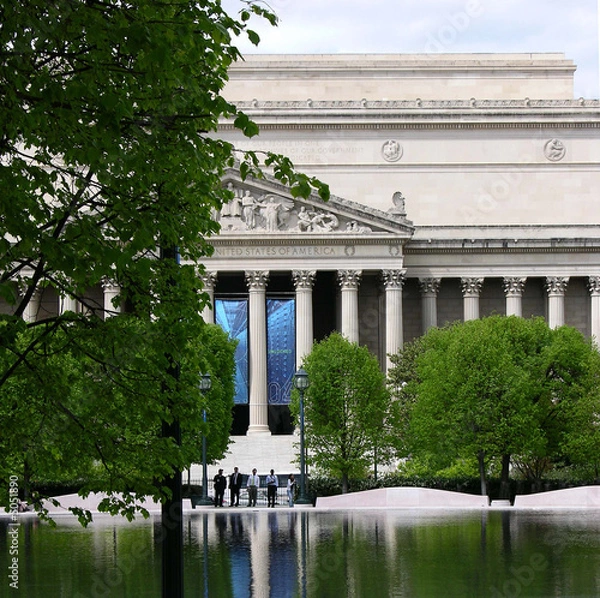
464 185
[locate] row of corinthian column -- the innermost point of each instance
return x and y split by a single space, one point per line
66 303
349 281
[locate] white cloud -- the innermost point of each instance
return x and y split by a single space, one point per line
411 26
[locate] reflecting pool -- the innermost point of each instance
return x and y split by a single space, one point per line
297 553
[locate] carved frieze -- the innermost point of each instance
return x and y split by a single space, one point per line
245 211
250 210
315 221
274 213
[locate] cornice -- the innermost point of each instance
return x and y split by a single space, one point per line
422 114
417 104
344 65
309 240
543 247
415 124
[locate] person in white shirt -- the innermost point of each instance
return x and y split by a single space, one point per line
271 488
252 486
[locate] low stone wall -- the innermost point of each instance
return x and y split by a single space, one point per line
570 498
403 498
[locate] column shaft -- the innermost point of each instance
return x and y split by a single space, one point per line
259 409
513 291
209 280
594 287
471 288
556 287
110 290
303 282
32 309
394 333
67 303
429 291
349 281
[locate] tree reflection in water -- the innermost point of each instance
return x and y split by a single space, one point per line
299 553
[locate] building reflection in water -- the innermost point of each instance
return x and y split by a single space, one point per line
313 554
246 554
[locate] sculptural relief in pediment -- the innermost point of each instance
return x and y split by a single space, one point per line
269 212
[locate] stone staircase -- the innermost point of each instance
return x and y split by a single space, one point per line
261 451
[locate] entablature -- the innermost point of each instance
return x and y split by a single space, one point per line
419 113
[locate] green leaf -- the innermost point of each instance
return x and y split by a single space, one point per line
253 37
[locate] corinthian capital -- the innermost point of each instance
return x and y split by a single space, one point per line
393 279
514 286
304 279
556 285
257 279
209 280
594 285
471 286
349 279
429 286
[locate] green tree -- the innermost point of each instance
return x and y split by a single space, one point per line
90 407
495 389
347 408
110 168
403 383
575 371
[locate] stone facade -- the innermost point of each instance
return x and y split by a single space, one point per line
463 186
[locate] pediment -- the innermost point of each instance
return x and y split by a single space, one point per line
266 207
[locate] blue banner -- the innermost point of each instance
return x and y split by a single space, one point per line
232 316
281 349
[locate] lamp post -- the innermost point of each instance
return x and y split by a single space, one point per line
301 382
205 385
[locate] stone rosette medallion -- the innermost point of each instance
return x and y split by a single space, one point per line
554 150
392 150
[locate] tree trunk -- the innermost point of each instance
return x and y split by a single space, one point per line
504 477
26 481
344 483
171 508
480 460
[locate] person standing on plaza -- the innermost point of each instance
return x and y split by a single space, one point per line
291 487
235 484
252 487
271 488
220 483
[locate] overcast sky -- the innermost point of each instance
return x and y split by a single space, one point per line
441 26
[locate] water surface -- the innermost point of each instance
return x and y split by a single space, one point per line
293 553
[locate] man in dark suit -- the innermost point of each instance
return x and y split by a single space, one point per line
220 483
235 483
